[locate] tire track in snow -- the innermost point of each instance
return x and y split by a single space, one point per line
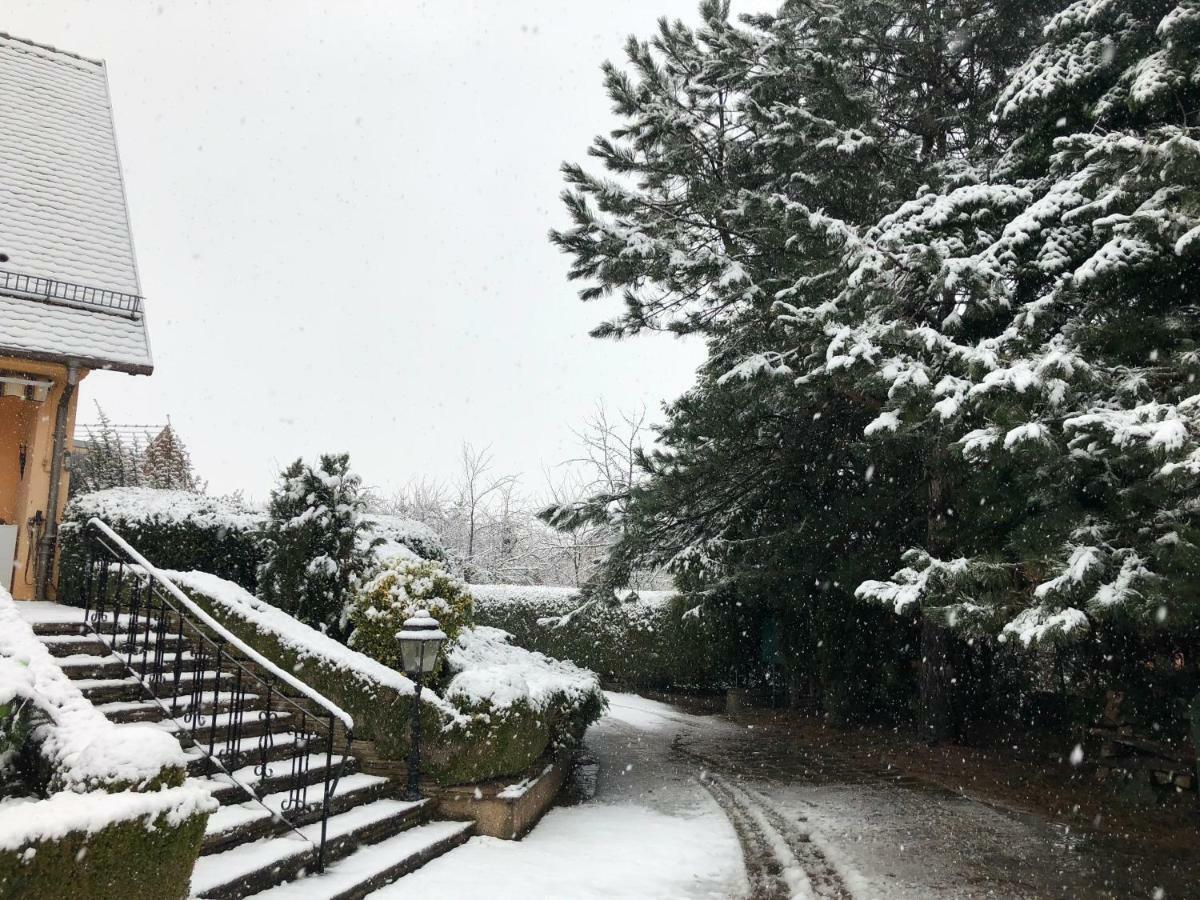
800 869
827 880
763 869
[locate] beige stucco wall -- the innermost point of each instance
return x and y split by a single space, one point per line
21 497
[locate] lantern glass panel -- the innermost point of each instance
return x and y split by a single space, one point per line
410 654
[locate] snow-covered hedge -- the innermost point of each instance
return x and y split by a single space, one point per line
75 746
91 809
402 536
97 846
501 709
222 535
172 529
646 639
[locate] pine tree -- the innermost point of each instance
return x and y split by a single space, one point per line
316 549
1035 334
108 460
753 157
167 465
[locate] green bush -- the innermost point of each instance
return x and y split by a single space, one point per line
397 590
465 741
132 859
639 642
316 543
172 529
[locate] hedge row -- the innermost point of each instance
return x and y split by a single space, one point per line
185 530
137 856
650 640
464 740
172 529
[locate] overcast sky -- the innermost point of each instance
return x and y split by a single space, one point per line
340 213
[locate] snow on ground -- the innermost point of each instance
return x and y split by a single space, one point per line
651 831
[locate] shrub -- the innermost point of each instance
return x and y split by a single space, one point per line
137 846
395 592
170 528
646 640
397 534
503 707
316 549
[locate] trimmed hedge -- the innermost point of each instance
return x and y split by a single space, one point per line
641 641
189 531
172 529
463 741
133 859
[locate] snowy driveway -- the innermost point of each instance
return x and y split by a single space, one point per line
651 831
815 828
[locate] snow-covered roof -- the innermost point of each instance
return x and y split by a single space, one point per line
63 214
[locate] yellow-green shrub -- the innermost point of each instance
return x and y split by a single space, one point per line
399 588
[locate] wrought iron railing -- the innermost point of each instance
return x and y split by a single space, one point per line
71 294
237 707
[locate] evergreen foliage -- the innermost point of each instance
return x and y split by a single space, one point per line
167 465
316 543
393 594
942 259
112 458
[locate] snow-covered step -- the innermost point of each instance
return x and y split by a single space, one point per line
122 711
228 788
102 690
252 727
259 865
69 644
241 822
248 752
147 709
94 665
88 665
370 868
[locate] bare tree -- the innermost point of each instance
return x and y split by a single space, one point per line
475 487
610 447
493 532
577 551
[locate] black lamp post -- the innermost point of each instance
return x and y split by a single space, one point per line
420 641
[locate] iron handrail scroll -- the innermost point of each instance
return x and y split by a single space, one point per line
233 704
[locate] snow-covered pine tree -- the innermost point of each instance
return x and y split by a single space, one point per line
166 463
108 460
1033 330
751 157
315 542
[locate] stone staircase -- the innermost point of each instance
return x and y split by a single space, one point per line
372 837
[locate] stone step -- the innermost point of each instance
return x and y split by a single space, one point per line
252 727
372 837
227 788
126 711
259 865
105 690
106 665
374 866
56 628
240 823
129 687
249 752
70 644
91 666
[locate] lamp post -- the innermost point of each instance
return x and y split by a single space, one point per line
420 640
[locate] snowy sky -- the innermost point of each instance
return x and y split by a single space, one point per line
340 212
